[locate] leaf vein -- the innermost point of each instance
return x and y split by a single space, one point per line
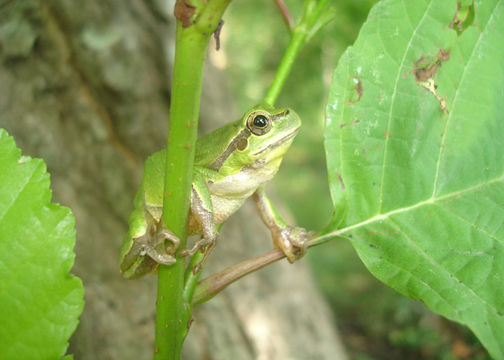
469 222
28 179
455 99
392 103
441 268
385 216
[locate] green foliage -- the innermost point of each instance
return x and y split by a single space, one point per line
414 139
39 300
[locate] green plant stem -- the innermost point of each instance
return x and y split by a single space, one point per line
191 279
313 20
296 42
173 314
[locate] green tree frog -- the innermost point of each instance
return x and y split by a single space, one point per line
231 164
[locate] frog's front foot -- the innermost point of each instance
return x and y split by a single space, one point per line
293 241
159 250
200 244
205 245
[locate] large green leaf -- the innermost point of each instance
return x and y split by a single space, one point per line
39 300
415 154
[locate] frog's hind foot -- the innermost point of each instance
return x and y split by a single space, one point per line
200 244
206 246
158 251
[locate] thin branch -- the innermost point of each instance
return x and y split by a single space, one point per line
212 285
285 13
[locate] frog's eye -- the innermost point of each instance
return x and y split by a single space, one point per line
259 122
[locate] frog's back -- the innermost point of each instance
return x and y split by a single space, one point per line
153 179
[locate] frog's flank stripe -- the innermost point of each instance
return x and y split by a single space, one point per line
233 145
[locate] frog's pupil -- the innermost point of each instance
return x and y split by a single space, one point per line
260 121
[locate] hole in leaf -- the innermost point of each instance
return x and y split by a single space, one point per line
463 17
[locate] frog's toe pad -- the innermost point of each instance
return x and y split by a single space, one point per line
157 256
294 242
199 245
173 241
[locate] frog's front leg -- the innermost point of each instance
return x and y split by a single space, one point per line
202 210
293 241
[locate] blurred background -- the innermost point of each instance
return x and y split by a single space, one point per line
85 86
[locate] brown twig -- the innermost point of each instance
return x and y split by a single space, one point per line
285 13
216 35
212 285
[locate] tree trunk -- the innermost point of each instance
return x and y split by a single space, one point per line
85 86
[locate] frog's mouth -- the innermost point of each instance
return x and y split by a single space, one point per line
279 142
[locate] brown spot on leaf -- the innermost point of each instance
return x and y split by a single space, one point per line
419 61
183 11
443 55
340 179
424 70
425 67
355 122
359 90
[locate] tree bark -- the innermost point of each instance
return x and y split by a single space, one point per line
85 86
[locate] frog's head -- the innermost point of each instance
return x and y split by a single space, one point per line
265 135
